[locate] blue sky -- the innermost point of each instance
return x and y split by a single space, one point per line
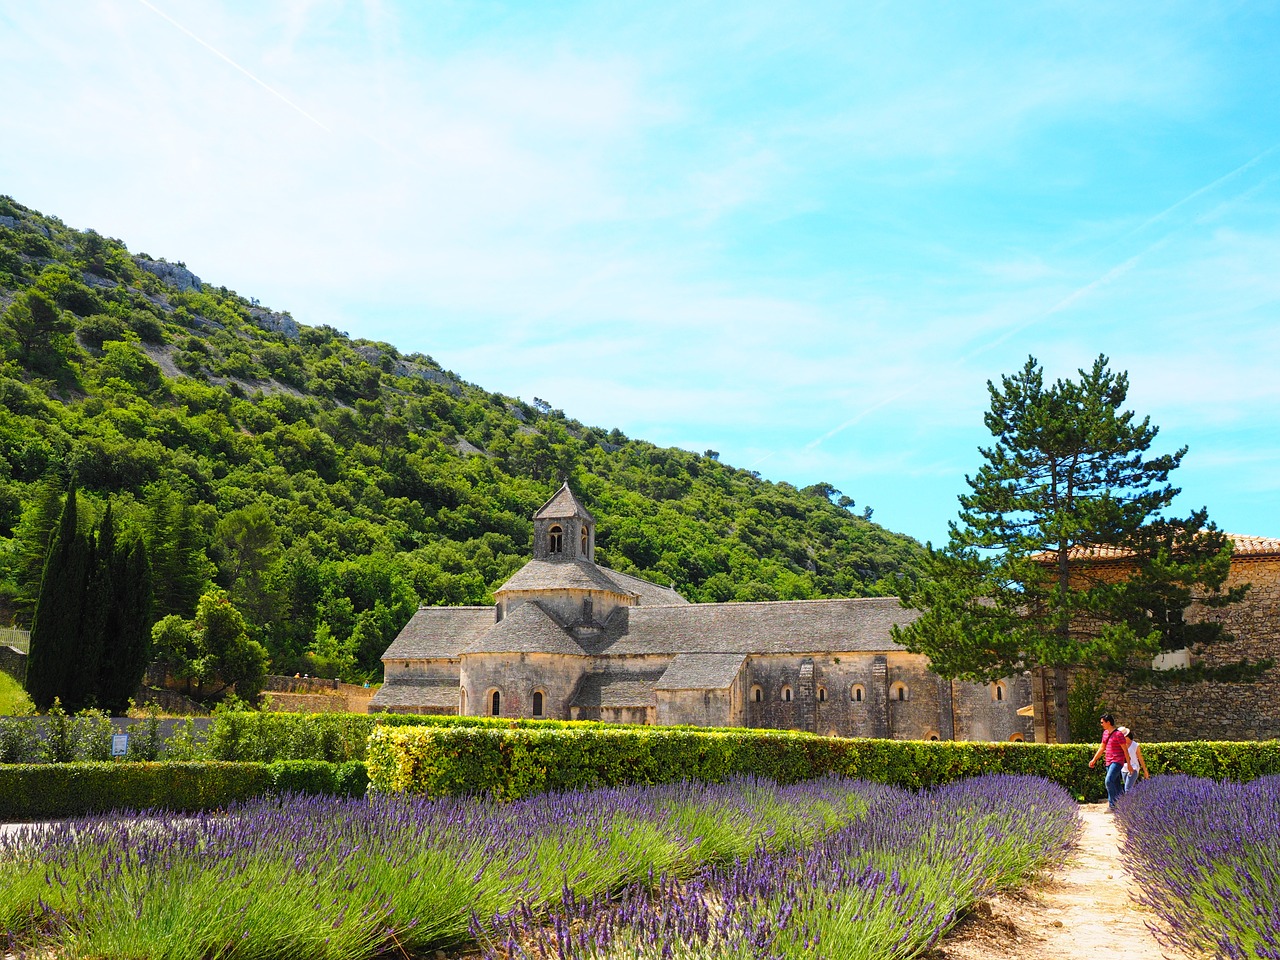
803 235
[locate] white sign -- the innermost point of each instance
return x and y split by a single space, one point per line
119 744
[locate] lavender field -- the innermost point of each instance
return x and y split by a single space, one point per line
1206 856
745 869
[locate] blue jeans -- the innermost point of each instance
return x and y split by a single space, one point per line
1115 783
1130 779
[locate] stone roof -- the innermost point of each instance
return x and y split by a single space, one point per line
562 575
436 633
582 574
527 629
1244 545
649 594
616 689
563 504
415 692
702 671
773 627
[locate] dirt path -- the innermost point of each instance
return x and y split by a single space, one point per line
1058 918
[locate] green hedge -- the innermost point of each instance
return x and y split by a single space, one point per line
340 737
518 762
47 791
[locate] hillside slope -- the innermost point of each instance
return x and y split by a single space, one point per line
332 484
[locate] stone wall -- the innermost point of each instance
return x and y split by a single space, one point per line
516 677
1218 711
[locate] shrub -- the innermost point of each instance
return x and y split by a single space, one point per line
515 762
48 791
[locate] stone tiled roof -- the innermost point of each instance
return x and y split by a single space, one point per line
702 671
563 504
582 574
415 692
616 689
780 626
649 594
1244 546
440 632
562 575
527 629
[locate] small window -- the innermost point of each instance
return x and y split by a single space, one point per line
584 541
555 539
998 690
537 703
857 693
757 694
462 703
932 736
899 692
1016 738
786 694
822 694
496 703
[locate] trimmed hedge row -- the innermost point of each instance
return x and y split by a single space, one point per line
515 763
44 791
340 737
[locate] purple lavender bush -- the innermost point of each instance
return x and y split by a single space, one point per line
1206 856
324 877
885 885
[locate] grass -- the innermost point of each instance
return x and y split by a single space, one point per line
13 699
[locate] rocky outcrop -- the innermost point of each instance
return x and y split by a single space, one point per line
274 322
174 274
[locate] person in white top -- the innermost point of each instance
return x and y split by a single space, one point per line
1135 763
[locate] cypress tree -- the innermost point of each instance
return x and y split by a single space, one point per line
126 635
54 667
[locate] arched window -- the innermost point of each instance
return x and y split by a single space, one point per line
857 693
786 694
462 703
899 692
495 701
537 703
1017 738
931 736
757 694
822 694
555 539
584 540
997 690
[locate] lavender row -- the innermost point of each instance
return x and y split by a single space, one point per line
1206 856
349 879
888 885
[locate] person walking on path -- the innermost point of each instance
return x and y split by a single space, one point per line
1135 762
1114 752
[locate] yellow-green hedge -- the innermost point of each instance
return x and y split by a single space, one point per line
511 763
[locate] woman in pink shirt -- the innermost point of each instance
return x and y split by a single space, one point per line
1115 751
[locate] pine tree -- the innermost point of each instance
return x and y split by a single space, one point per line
54 668
1067 483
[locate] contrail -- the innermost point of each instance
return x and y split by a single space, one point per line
1119 270
223 57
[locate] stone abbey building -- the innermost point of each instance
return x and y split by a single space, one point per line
568 639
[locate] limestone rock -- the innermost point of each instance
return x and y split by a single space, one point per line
171 273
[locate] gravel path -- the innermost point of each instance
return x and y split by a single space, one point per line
1081 912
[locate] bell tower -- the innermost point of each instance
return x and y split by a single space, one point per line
563 529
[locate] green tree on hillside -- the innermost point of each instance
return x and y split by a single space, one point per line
212 652
1068 481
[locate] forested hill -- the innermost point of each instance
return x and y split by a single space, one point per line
331 484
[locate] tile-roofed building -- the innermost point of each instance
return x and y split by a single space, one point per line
569 639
